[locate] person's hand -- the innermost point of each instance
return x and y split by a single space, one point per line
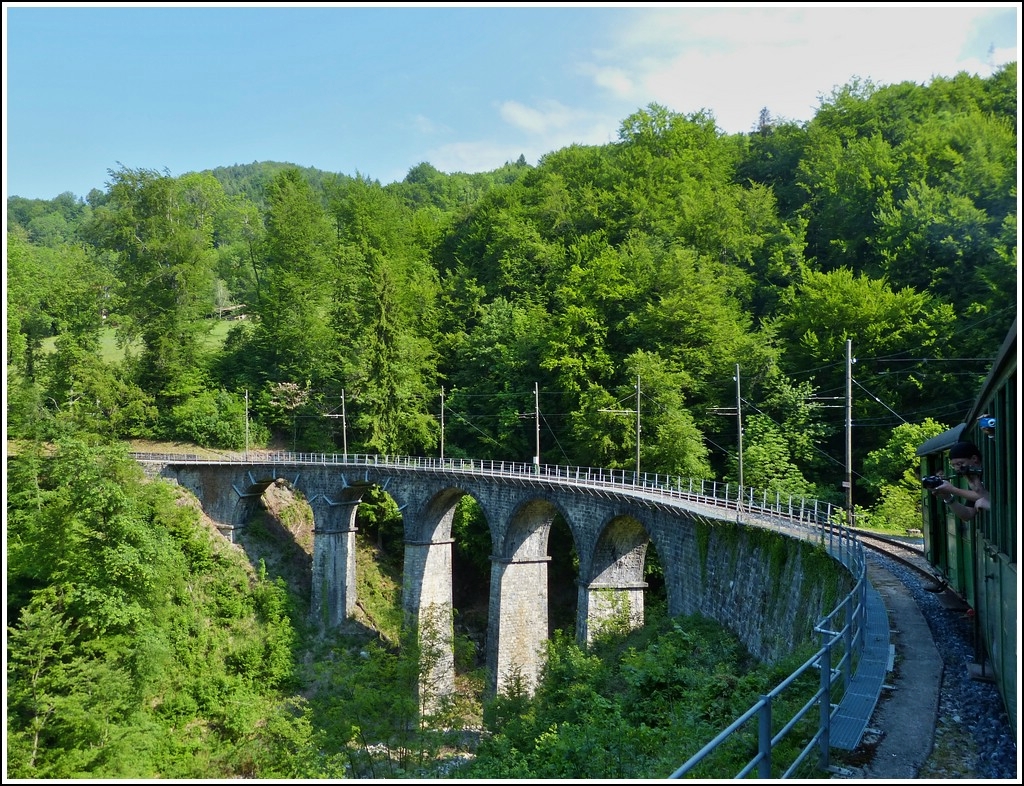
944 490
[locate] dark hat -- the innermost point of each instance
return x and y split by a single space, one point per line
963 450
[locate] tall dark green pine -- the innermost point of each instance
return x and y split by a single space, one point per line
384 315
382 387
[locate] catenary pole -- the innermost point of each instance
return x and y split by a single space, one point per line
536 404
849 432
739 437
638 427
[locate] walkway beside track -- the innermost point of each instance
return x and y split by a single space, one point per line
851 716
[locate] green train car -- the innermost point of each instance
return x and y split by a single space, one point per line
978 558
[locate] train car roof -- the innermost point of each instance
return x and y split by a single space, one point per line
1006 358
944 441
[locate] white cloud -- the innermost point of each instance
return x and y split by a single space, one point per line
1000 56
615 80
547 117
735 61
424 125
523 117
547 131
477 156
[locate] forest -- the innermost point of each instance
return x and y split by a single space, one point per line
635 303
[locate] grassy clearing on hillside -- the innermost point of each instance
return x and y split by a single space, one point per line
112 353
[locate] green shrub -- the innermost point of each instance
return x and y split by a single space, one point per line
215 419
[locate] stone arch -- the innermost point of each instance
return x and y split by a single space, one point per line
248 503
472 547
434 521
563 577
333 595
427 594
277 534
427 567
518 613
612 585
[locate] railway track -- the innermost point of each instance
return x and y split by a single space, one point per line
906 551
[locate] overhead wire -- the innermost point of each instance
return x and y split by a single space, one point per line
486 436
948 408
816 448
554 436
899 356
876 398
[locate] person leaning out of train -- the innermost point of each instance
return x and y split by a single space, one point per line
965 459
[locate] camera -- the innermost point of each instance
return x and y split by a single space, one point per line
932 481
970 470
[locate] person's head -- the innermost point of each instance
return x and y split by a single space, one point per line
965 456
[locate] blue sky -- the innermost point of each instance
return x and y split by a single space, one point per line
376 89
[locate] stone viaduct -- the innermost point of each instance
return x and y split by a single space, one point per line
750 578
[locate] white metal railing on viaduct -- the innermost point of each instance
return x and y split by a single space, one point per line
841 631
805 517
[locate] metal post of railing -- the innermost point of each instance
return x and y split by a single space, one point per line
764 738
862 627
825 707
850 611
